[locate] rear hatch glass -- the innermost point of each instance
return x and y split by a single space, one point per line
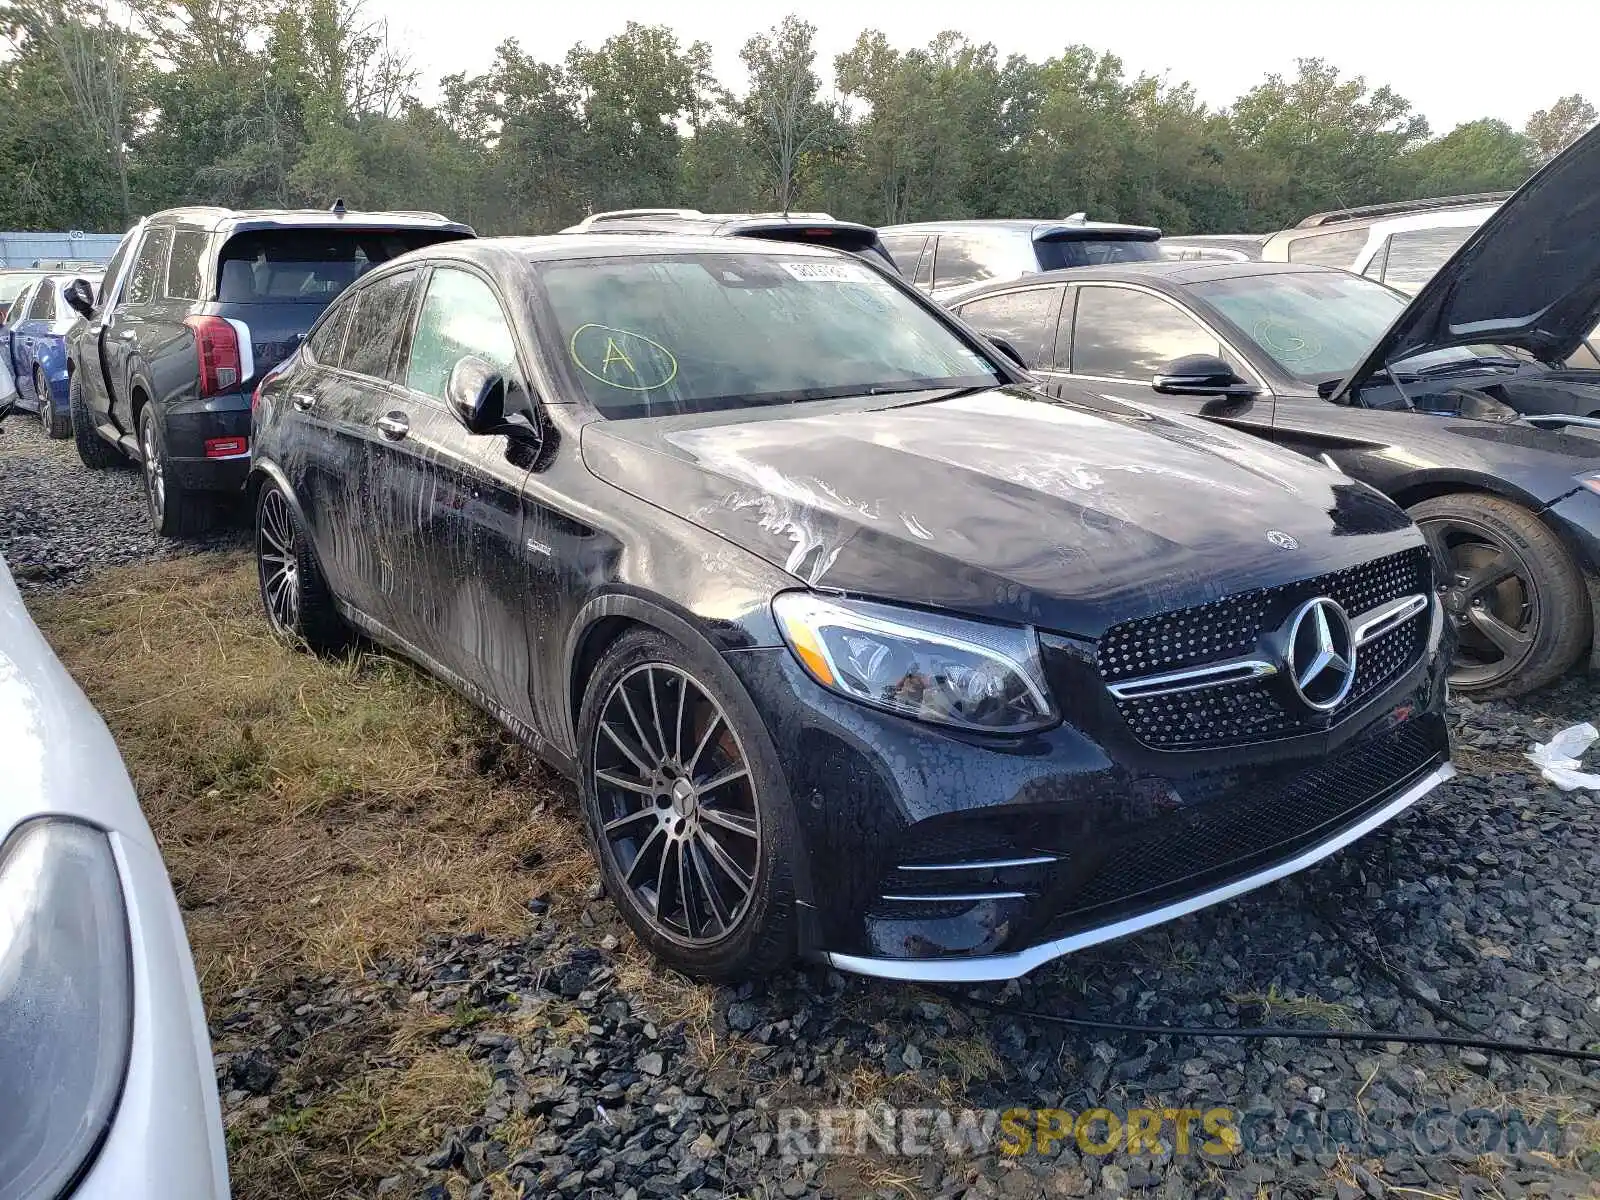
277 281
1088 250
852 239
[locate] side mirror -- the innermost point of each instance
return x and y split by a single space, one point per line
1008 350
1202 375
476 394
79 295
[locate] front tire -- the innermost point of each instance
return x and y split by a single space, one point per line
175 511
688 810
57 425
296 598
1516 597
96 453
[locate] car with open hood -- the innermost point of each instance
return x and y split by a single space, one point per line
857 645
1453 404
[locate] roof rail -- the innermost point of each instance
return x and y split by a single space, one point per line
1395 208
624 214
788 216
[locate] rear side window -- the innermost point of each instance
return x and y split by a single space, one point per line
1026 319
150 268
184 272
905 249
42 304
327 343
1095 252
460 316
382 311
1336 249
963 258
308 266
114 268
1417 254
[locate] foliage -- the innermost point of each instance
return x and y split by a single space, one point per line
109 108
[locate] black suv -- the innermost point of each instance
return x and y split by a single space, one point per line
857 645
196 306
807 228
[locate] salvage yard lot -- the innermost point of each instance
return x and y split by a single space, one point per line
414 987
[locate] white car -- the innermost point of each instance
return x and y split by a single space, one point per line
107 1087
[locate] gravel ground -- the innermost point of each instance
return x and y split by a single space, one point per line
1474 912
60 521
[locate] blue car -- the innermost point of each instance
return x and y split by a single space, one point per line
33 343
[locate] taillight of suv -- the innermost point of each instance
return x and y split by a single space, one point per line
217 345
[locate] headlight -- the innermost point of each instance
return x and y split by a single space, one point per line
934 668
66 1004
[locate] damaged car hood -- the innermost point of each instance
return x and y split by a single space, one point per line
1068 515
1528 277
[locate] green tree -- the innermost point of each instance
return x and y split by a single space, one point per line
1480 156
1555 128
788 122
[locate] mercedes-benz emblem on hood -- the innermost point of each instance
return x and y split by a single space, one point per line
1282 540
1321 654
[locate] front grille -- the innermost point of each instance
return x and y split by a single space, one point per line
1253 710
1222 837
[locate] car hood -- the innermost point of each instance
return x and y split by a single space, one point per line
1529 276
1069 515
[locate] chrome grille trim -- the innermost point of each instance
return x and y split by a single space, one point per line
1376 622
1195 677
946 897
992 864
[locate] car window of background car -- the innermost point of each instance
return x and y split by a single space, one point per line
184 271
967 258
1417 254
150 267
383 309
1335 249
12 286
695 332
1315 325
906 250
308 266
114 268
1026 319
327 340
1056 254
460 316
42 302
1124 334
17 305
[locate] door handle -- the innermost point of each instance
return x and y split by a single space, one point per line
393 425
302 401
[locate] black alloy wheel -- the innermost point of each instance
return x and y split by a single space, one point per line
298 605
56 425
1511 590
678 804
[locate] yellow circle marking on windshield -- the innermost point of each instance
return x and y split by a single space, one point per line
627 353
1288 342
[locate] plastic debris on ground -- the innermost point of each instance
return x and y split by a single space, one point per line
1558 759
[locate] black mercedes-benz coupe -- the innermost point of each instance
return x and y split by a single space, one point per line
1420 400
857 645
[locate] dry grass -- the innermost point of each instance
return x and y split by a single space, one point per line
1279 1005
315 816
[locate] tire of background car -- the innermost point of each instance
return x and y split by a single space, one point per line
96 453
1512 590
174 510
688 802
295 595
56 424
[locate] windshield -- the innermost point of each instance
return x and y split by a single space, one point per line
683 333
1319 325
1094 252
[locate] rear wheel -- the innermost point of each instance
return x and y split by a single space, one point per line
298 604
688 809
175 511
1517 599
96 453
56 424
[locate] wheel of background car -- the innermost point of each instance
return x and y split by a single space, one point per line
688 811
1517 599
294 593
174 510
95 452
56 424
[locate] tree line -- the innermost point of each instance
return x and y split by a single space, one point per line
109 112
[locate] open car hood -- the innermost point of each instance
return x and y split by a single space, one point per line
1528 277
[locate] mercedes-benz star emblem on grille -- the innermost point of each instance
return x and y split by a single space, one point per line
1282 540
1321 654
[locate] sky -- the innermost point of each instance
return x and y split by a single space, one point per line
1455 60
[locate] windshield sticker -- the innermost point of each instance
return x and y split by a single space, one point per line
621 358
1284 342
826 272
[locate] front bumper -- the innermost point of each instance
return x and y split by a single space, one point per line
166 1137
935 855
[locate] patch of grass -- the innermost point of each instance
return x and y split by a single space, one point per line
1279 1005
971 1057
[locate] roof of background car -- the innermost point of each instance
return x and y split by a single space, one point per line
556 246
1021 225
1174 273
212 218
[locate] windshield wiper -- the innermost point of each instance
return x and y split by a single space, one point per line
1458 364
